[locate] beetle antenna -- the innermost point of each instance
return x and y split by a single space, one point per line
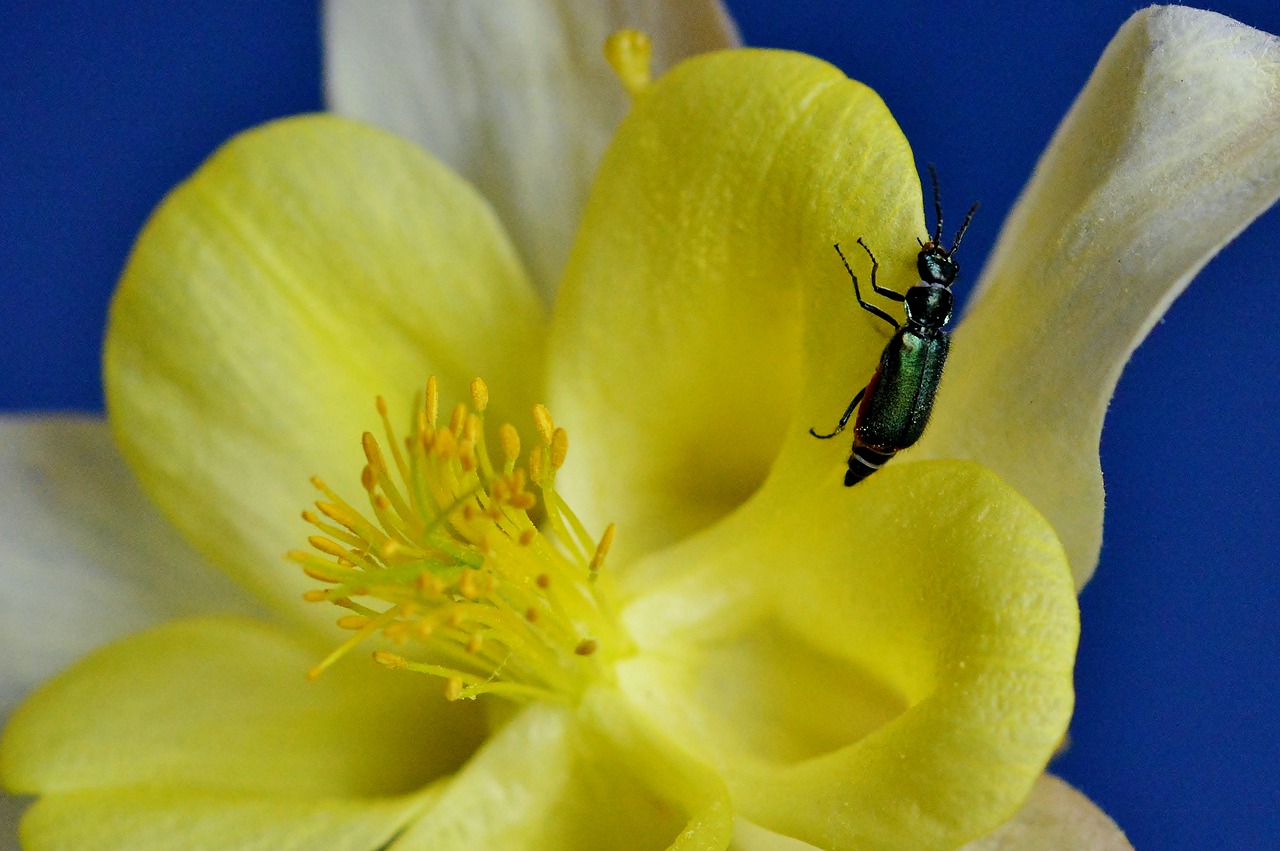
937 205
963 227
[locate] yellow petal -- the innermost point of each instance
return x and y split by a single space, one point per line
555 779
306 267
87 557
1055 818
161 819
910 679
707 235
224 706
1172 148
514 96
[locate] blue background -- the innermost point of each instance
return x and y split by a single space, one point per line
106 105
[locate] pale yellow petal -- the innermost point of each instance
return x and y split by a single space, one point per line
224 706
307 266
1055 818
514 96
1172 148
555 779
87 558
677 353
163 819
901 674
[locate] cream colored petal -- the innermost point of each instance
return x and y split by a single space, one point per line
223 706
87 558
554 779
514 96
307 266
1055 818
680 334
1172 148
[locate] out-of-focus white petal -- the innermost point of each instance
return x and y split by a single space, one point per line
514 96
86 558
1172 148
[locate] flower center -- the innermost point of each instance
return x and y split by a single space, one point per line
449 565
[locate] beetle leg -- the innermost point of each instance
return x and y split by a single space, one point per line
848 412
870 308
892 295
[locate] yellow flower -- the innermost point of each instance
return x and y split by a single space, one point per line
883 667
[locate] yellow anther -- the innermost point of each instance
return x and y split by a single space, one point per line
368 478
321 574
430 584
432 401
510 440
545 425
535 465
373 452
444 445
467 454
315 595
629 53
602 548
479 394
559 448
353 622
458 419
381 405
326 546
528 536
390 660
586 647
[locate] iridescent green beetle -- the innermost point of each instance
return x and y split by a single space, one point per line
896 403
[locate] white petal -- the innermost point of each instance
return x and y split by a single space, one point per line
1169 152
86 558
514 96
11 808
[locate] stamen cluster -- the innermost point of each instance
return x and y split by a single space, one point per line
459 566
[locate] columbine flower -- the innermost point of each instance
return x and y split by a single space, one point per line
757 653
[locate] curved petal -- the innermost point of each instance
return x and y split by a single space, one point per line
708 232
912 676
1055 818
307 266
223 706
87 556
151 819
516 96
1172 148
561 780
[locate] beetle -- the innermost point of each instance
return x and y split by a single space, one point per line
896 403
